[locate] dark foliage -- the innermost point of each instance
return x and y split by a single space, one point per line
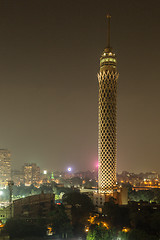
81 208
116 215
98 232
60 222
140 235
19 228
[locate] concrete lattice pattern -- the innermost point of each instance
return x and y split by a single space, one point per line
107 140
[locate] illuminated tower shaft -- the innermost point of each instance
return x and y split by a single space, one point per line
107 119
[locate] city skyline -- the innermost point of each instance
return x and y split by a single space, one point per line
48 66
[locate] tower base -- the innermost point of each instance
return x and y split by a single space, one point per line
119 196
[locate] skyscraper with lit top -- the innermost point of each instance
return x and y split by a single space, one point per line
107 118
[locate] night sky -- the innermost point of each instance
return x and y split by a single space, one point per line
49 60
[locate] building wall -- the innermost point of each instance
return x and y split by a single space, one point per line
124 196
5 167
34 206
5 214
31 174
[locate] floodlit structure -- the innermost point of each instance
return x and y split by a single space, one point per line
5 167
31 174
107 118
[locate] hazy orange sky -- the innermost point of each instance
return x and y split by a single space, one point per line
49 59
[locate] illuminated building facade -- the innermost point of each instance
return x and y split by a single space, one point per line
107 118
31 174
5 167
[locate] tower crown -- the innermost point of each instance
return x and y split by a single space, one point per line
108 57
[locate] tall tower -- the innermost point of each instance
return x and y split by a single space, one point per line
107 118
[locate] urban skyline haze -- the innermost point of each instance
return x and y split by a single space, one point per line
49 60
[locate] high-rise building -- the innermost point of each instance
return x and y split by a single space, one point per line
31 174
107 118
18 177
5 167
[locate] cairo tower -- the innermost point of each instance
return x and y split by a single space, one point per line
107 118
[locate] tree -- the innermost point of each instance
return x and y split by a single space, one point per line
98 232
155 223
19 228
144 195
156 195
81 208
60 222
140 235
117 216
122 235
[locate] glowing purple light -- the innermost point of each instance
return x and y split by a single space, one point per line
97 165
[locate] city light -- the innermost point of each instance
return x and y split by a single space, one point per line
45 172
1 193
69 169
86 229
125 229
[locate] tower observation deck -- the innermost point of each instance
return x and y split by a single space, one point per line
107 118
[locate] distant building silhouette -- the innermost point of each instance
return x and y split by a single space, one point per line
18 177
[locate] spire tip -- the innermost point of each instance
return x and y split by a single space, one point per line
108 30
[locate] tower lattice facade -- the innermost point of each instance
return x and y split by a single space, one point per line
107 119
